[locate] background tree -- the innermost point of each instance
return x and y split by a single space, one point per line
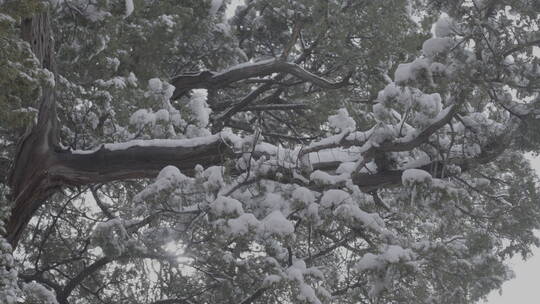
294 152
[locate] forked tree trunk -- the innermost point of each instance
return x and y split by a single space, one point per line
28 177
41 166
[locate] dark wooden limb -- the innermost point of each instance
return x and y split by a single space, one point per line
28 180
214 80
60 168
72 284
138 161
257 294
79 278
276 107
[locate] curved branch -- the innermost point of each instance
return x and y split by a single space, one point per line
520 46
276 107
258 293
214 80
446 117
369 182
344 140
73 283
173 301
38 277
101 205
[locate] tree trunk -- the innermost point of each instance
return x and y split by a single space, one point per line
41 166
28 177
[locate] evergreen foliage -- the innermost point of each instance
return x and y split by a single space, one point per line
272 151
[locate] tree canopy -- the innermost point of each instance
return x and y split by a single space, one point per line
266 151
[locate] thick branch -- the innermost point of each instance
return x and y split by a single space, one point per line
254 94
73 283
521 46
213 80
138 159
38 277
369 182
276 107
424 135
343 139
258 293
173 301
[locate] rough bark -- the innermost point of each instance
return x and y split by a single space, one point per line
41 167
213 80
28 176
106 165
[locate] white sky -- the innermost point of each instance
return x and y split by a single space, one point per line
524 288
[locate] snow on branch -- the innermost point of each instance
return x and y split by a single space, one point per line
209 79
141 158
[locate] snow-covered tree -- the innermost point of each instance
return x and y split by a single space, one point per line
266 151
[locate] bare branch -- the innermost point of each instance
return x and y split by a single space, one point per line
98 264
342 139
213 80
521 46
100 204
424 135
295 34
369 182
258 293
275 107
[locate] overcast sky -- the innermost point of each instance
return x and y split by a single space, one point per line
524 288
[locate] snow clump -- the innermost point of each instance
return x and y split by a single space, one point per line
435 46
444 27
415 176
342 121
